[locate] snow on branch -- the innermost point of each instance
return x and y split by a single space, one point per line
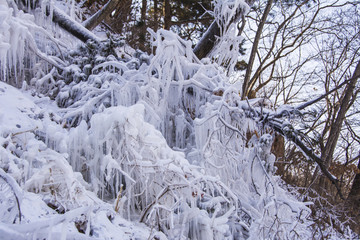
245 163
273 120
16 190
227 12
72 26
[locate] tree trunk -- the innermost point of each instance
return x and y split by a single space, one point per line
100 15
156 20
336 126
354 195
208 41
118 21
143 11
143 26
167 14
335 129
254 50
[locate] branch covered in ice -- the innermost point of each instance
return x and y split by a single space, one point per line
274 121
17 191
72 26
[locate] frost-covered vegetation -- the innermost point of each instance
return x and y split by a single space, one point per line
103 141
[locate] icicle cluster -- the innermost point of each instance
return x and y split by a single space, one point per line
19 33
13 36
227 50
224 11
179 84
28 161
131 161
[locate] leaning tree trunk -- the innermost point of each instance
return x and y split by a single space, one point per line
208 41
100 15
61 18
335 128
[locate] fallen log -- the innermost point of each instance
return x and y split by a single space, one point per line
62 19
71 26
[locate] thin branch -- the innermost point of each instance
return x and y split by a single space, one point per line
164 191
17 133
297 109
304 105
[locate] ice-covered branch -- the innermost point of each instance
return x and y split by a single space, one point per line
17 191
289 132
